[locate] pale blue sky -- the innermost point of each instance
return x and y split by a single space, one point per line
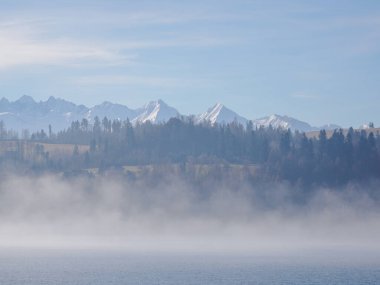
318 61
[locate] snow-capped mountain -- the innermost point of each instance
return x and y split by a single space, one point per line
219 114
26 113
155 112
284 122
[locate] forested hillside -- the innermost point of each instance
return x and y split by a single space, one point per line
275 154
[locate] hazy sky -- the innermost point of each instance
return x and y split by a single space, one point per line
318 61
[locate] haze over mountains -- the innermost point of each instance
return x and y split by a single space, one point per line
26 113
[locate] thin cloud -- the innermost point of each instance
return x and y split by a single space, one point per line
18 47
22 44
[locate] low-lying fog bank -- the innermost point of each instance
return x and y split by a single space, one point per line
172 214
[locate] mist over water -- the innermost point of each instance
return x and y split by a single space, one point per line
173 215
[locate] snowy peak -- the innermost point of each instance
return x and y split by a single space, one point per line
155 112
219 114
283 122
286 122
4 103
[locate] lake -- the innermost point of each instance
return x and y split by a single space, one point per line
85 267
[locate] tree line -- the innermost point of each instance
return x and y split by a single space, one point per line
278 154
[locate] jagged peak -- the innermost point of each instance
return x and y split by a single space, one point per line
4 100
52 98
219 113
55 102
24 99
155 104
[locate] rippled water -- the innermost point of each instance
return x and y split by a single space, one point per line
112 267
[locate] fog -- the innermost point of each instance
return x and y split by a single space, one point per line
174 215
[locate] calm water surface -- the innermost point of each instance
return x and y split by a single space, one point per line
84 267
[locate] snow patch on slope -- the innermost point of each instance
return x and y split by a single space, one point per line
219 114
155 112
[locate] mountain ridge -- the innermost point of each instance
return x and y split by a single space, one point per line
26 113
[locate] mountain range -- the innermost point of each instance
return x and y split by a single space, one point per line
26 113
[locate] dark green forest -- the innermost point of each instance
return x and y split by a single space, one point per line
275 154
